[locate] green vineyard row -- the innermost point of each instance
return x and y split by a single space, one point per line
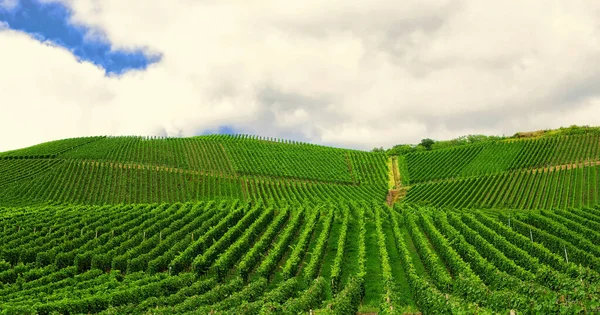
73 182
145 170
548 188
336 257
48 149
214 154
500 156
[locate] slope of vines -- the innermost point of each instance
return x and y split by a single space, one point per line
113 170
249 225
48 149
502 156
184 257
537 189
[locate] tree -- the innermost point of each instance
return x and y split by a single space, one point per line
401 149
427 143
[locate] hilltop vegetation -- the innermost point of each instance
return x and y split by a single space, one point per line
248 225
430 144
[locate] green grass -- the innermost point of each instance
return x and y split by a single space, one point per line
374 277
331 252
402 287
311 247
351 266
421 271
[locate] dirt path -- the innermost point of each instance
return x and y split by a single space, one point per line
154 168
398 191
140 166
553 168
395 169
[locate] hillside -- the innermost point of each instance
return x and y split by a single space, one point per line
115 170
539 173
248 225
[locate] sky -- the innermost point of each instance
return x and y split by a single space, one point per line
344 73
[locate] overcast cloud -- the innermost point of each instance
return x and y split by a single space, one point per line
346 73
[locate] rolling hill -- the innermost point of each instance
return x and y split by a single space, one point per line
248 225
103 170
539 173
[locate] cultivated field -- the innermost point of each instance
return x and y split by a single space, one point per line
249 225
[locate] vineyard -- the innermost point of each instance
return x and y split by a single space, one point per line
554 173
531 189
146 170
251 258
241 224
501 156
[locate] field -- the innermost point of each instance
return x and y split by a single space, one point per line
139 170
250 225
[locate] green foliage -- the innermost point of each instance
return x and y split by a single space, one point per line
302 161
336 268
264 226
114 170
427 143
202 263
427 298
389 300
494 157
562 131
298 251
539 189
490 266
348 300
434 165
250 293
280 248
309 299
252 257
311 271
439 274
185 259
48 149
464 140
402 149
198 154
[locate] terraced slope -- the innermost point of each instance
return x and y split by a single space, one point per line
48 149
545 173
113 170
501 156
248 225
235 257
531 189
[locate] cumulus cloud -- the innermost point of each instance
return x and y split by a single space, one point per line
344 73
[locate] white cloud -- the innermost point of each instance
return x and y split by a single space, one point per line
8 4
348 73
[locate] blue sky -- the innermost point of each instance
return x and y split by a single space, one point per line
50 22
